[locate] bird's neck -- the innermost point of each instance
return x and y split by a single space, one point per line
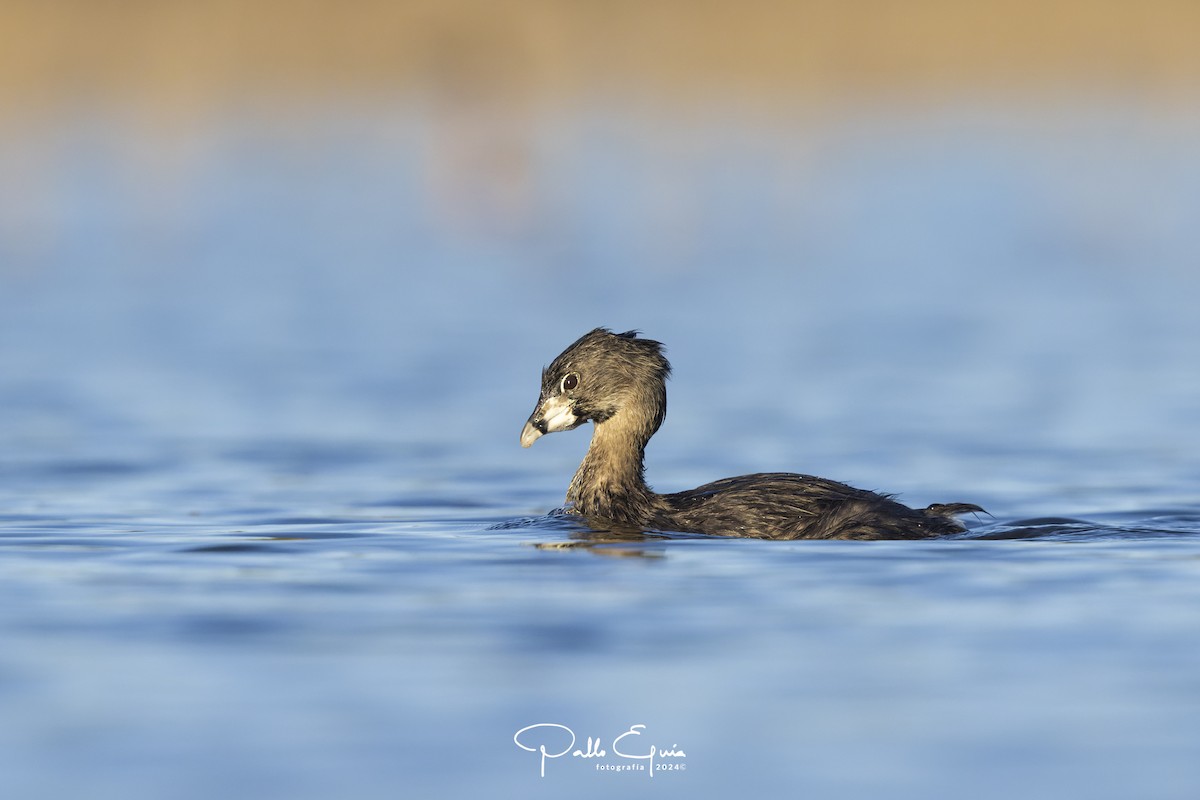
610 483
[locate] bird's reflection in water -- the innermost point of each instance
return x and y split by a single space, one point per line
613 541
603 537
607 548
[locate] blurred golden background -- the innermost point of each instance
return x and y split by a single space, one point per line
192 57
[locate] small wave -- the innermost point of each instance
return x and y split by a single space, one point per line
1071 529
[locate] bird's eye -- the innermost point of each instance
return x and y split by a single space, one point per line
569 382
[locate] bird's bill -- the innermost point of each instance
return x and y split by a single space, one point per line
552 414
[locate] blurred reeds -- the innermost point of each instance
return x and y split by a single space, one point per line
173 54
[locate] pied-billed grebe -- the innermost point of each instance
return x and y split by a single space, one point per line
618 381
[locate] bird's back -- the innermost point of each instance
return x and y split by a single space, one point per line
781 505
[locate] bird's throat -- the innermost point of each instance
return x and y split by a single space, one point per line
610 483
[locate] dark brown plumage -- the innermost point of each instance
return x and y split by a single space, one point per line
618 381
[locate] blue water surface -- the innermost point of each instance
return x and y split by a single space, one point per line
266 529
